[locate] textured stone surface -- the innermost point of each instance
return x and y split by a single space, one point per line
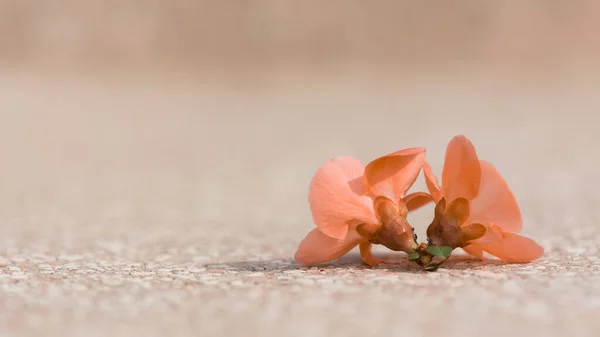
158 207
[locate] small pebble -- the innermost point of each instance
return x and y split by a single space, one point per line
221 266
70 266
209 282
18 275
70 257
111 281
238 283
512 287
162 258
304 281
576 250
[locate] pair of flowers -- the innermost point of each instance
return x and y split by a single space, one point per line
356 205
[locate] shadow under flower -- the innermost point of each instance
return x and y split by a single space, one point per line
463 262
353 261
392 263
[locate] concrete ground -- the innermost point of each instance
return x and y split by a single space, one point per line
155 206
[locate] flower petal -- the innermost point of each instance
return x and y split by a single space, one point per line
432 183
462 175
336 197
472 231
367 255
318 247
493 234
508 246
368 230
458 211
392 175
474 250
416 200
495 202
514 248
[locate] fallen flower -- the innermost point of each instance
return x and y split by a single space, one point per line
475 210
356 205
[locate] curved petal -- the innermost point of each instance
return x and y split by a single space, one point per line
392 175
318 247
493 234
458 211
472 231
514 248
367 255
368 230
416 200
495 202
336 199
508 246
474 250
462 175
432 183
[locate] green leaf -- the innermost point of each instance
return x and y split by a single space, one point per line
439 251
414 256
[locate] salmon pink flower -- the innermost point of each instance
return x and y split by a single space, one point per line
475 210
353 205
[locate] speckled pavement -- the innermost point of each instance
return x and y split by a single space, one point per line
156 207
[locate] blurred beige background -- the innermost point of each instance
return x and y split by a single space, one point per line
155 158
267 33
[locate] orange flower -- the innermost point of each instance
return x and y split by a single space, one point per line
356 205
482 213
